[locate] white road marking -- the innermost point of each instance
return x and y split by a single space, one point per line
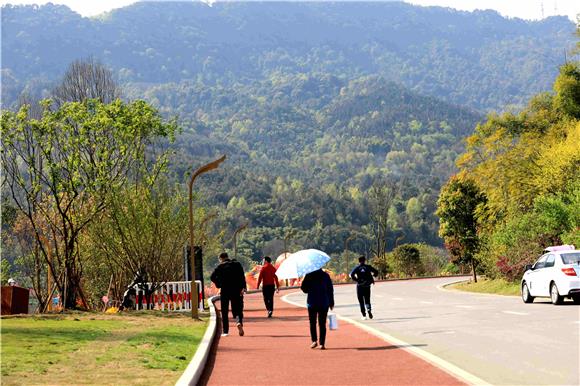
378 296
397 298
427 356
515 313
423 302
462 306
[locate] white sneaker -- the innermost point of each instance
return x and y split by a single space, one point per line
224 334
364 318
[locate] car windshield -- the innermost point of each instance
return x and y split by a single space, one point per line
571 258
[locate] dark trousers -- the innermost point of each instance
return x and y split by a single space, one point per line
314 314
237 302
364 298
268 292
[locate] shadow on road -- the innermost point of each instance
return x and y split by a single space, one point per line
379 348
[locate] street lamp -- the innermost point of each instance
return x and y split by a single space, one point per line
346 251
205 168
286 237
241 228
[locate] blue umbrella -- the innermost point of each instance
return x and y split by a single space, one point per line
302 262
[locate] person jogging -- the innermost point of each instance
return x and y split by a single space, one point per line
229 277
363 275
270 284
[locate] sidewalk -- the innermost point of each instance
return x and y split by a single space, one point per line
276 352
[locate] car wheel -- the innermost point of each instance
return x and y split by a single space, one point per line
526 297
555 295
576 299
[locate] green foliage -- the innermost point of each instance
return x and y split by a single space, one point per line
5 271
567 88
552 221
143 229
457 208
411 260
407 261
60 169
528 167
434 260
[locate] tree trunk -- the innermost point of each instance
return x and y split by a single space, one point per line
72 287
473 267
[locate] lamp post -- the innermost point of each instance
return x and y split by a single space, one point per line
205 168
208 217
346 252
286 237
241 228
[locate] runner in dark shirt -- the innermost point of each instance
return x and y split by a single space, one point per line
363 275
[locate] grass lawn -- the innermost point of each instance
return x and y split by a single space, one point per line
137 348
496 286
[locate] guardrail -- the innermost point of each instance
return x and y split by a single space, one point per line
171 296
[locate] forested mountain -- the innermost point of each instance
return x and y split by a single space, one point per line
478 59
326 111
304 153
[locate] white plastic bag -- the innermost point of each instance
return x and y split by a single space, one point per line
332 321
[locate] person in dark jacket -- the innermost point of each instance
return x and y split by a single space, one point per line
363 275
320 297
268 277
229 277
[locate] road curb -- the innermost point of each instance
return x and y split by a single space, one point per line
196 366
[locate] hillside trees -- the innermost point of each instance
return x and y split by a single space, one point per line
60 168
87 79
407 260
528 167
478 59
457 208
143 230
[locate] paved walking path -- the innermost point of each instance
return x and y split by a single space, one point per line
276 352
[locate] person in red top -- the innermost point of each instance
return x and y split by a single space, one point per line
270 283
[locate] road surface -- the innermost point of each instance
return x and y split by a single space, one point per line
498 339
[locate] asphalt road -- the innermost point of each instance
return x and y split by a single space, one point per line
498 339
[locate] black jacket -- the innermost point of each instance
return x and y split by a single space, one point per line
319 288
230 277
363 275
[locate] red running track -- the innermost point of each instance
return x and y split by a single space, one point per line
277 351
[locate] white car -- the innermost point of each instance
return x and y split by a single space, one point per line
556 275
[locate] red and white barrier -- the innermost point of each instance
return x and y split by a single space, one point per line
171 296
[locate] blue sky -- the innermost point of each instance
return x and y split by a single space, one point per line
525 9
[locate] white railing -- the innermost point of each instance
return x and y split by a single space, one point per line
171 296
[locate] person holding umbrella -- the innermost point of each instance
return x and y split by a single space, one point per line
316 284
268 277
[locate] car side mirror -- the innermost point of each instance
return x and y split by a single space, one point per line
528 267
